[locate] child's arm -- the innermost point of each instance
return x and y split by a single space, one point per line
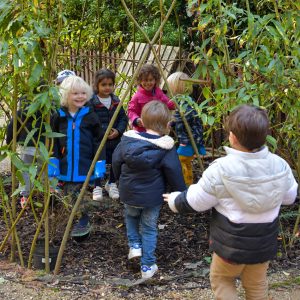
117 161
198 197
291 194
98 135
164 98
171 169
133 110
122 121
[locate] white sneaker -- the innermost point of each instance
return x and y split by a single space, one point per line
148 272
97 193
135 251
112 190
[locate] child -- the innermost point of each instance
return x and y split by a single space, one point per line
76 150
185 149
145 163
148 90
245 189
62 75
28 154
105 102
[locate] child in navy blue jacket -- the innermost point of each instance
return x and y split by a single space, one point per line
182 89
76 150
105 102
144 163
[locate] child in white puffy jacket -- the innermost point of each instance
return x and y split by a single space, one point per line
245 190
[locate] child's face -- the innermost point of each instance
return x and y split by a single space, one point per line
105 87
76 99
148 83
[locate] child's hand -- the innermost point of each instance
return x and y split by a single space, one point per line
114 133
139 122
170 199
166 197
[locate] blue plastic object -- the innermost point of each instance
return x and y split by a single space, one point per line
53 167
100 169
188 150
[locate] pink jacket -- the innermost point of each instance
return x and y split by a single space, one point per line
142 97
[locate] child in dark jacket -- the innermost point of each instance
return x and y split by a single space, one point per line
76 150
105 102
182 89
245 189
148 90
145 163
34 124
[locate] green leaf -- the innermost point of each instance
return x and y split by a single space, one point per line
224 91
34 106
35 74
17 162
53 134
272 142
18 191
43 150
206 92
38 204
281 31
210 120
222 79
204 118
30 136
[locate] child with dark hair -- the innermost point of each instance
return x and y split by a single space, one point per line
245 190
105 102
148 90
182 89
144 163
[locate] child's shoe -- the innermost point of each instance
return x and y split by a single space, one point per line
148 272
23 201
97 194
82 228
135 251
112 190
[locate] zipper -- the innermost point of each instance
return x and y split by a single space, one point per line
73 131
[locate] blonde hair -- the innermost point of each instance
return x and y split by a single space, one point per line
156 116
178 86
71 83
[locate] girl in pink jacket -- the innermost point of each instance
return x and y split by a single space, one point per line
148 90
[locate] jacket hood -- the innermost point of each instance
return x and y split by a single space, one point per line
142 153
248 177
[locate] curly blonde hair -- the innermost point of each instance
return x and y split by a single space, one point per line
71 83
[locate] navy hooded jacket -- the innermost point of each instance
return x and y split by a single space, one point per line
144 165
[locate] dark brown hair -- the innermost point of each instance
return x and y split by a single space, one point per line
102 74
156 116
250 124
147 70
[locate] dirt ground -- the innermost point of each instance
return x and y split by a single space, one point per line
19 283
97 267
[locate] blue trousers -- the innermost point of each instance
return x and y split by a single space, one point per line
141 225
